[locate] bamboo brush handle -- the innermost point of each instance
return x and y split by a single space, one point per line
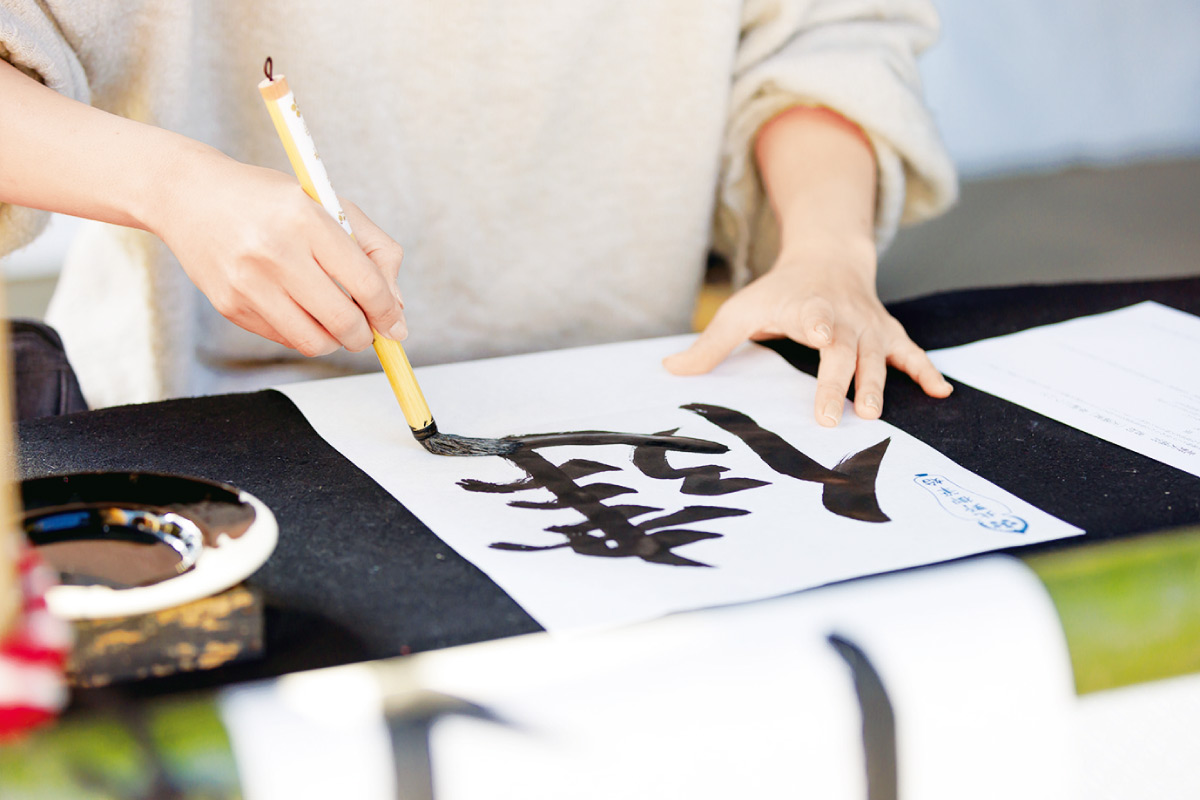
310 171
404 383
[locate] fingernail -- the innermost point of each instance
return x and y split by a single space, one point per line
399 331
831 413
824 333
871 401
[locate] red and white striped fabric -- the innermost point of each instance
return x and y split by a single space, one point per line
32 655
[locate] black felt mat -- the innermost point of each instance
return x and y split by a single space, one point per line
356 576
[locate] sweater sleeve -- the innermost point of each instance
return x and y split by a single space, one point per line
31 41
857 57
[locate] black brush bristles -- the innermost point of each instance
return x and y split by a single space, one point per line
449 444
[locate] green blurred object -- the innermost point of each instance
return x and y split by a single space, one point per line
1130 608
174 748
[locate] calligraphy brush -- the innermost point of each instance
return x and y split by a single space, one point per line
310 171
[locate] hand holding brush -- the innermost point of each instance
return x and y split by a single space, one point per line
310 171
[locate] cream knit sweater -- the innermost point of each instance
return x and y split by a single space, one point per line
556 171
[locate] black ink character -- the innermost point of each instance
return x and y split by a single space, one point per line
608 531
611 531
849 488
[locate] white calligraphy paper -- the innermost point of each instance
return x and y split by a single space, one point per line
1128 376
788 505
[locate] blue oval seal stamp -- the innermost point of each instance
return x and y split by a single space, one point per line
965 504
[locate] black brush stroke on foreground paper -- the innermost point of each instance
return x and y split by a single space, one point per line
878 721
609 531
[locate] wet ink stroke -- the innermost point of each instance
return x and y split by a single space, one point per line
849 488
610 531
704 480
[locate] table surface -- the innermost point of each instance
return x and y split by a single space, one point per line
356 576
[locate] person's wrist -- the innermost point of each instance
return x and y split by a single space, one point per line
850 249
169 181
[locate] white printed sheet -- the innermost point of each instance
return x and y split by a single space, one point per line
1127 376
597 535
